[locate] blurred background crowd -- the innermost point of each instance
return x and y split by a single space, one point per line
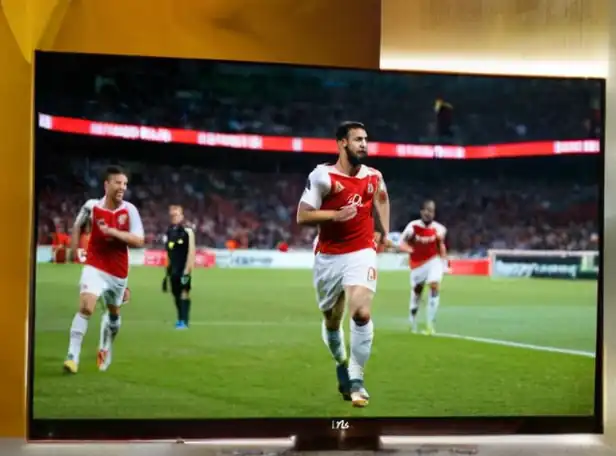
494 205
290 101
257 210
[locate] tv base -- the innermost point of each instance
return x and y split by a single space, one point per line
337 441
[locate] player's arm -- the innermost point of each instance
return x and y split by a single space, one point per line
192 252
80 221
135 236
403 247
405 240
381 204
441 243
309 209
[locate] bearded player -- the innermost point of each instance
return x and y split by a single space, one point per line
339 199
116 226
426 237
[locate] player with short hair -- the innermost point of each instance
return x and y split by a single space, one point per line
181 254
115 226
339 199
427 261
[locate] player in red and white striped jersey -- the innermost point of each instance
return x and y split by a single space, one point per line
427 261
116 226
340 199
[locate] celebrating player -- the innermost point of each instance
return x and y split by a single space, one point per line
339 199
426 237
116 225
181 252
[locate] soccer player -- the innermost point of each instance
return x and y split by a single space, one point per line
426 237
339 199
116 225
181 253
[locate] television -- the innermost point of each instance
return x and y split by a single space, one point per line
507 172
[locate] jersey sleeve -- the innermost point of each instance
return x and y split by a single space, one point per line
317 186
136 225
441 232
407 233
191 234
85 213
382 187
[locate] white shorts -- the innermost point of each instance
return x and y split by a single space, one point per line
101 284
332 273
430 272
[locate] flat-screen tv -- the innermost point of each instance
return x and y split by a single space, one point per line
231 249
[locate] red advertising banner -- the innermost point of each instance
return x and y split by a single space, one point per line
470 267
311 145
203 259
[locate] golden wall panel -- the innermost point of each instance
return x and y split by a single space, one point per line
541 37
15 204
609 248
342 33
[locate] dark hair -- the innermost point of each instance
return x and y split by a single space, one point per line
345 127
113 170
426 202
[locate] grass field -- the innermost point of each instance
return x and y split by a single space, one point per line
254 350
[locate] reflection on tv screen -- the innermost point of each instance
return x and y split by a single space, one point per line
230 240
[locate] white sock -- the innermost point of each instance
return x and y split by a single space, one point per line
361 346
104 332
433 303
335 343
79 327
109 330
413 307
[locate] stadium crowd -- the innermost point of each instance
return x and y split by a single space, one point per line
257 210
280 100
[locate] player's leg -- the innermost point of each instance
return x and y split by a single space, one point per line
331 300
185 287
419 276
415 301
111 322
176 291
333 337
92 286
434 279
360 286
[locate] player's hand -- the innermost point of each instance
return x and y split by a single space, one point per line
126 296
165 285
346 213
107 230
405 248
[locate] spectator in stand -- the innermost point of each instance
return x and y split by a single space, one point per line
228 209
269 100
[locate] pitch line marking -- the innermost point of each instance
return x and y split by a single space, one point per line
303 324
506 343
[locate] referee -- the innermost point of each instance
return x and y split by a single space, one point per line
180 243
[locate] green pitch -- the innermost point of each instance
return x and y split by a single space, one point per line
254 350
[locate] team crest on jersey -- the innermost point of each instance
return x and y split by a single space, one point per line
122 219
338 187
370 188
355 200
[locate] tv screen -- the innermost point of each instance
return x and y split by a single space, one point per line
210 236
